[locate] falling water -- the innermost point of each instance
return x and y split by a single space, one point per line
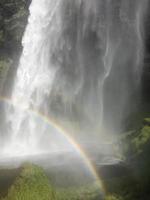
81 62
34 79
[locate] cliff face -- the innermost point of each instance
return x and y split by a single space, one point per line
13 18
146 69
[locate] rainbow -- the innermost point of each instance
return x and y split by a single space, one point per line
51 122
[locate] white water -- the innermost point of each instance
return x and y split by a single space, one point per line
81 62
34 79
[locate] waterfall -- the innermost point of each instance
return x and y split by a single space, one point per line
81 63
34 79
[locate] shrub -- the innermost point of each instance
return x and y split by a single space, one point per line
32 184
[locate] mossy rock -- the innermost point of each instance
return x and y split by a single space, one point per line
113 197
142 139
32 184
88 192
147 121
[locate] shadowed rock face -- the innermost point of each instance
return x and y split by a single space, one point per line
146 69
13 19
7 178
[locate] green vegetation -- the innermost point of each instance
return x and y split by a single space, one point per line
4 67
133 185
91 192
32 184
142 139
113 197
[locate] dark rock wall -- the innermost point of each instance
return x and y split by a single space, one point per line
13 19
146 68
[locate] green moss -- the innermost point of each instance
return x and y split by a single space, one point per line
90 192
31 185
143 138
136 146
113 197
147 121
4 66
